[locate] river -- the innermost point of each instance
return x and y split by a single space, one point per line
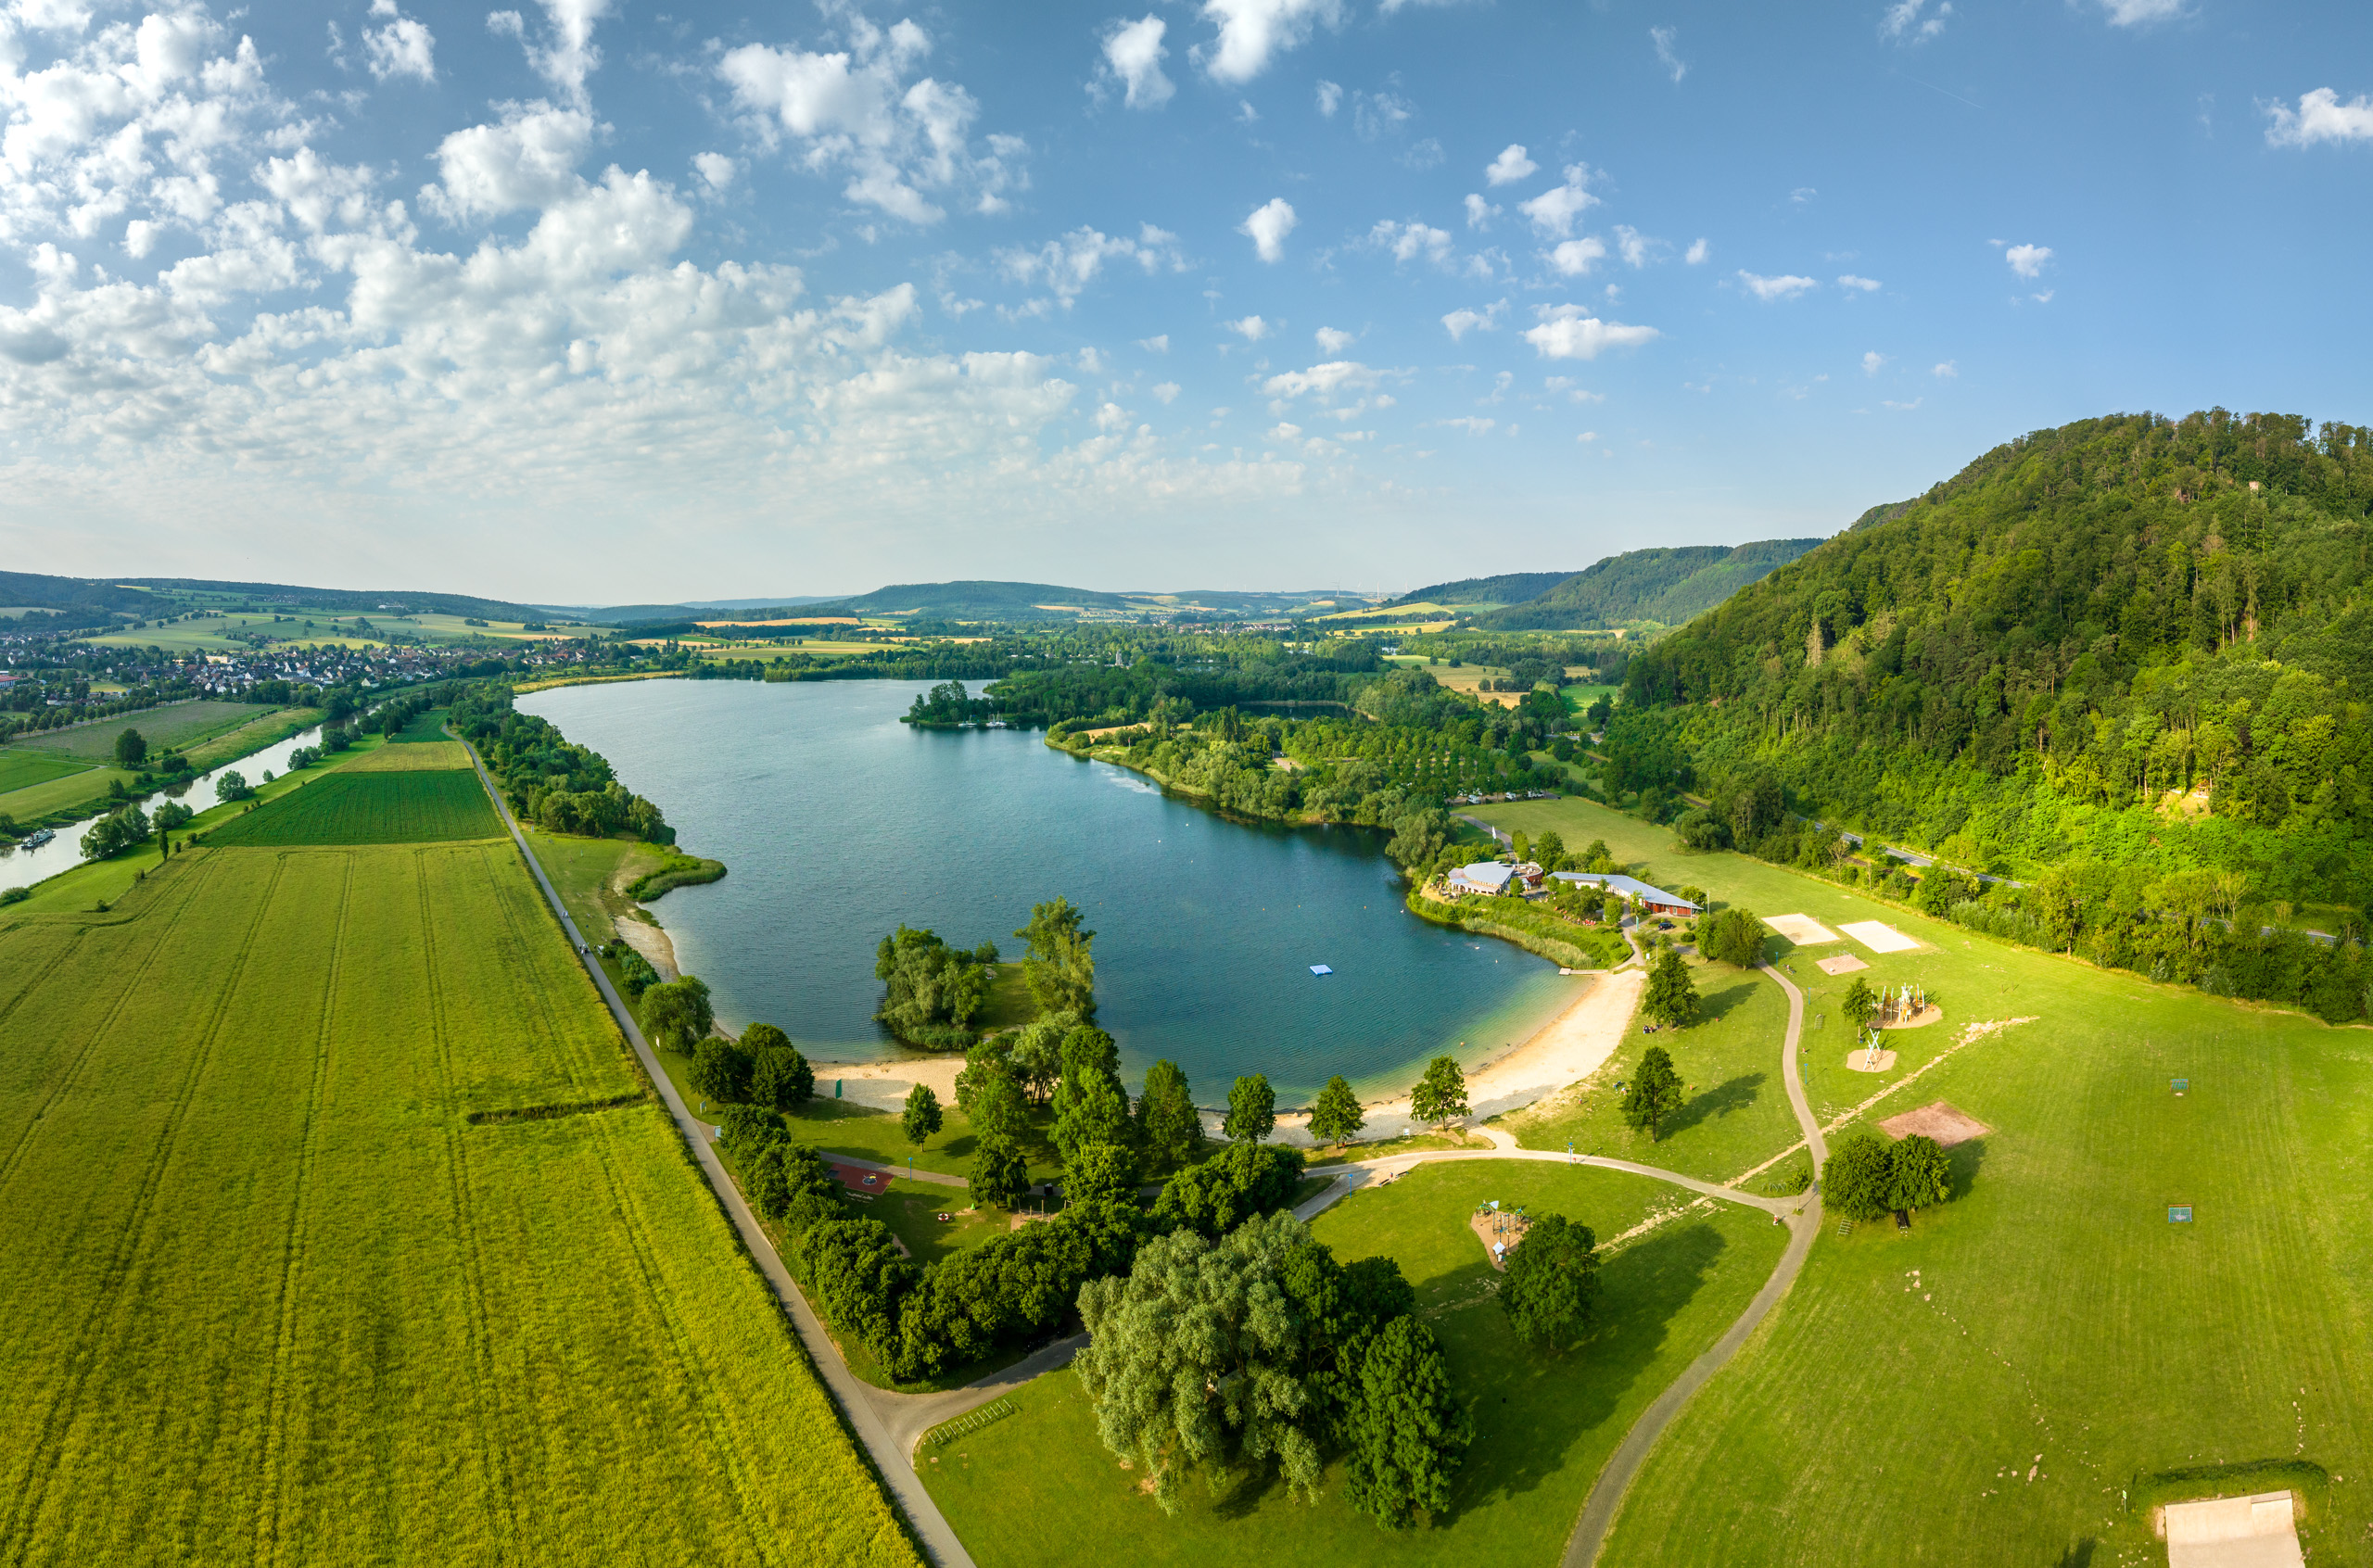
837 823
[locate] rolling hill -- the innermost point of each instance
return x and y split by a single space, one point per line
1509 588
1668 586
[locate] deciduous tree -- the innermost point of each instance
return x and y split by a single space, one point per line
131 750
920 1120
1672 995
677 1014
1654 1095
720 1071
1061 966
1252 1109
999 1173
1169 1125
1551 1291
1858 1180
1408 1431
1918 1175
1334 1115
1441 1096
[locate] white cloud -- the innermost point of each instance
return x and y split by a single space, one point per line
1663 38
1785 286
2043 298
527 160
403 47
715 169
567 56
1461 322
1251 31
1554 211
1699 251
1802 194
1904 22
2139 13
1409 242
2028 260
1331 341
1473 424
1871 362
1480 212
1374 114
1323 381
1867 285
1510 166
1065 267
1638 250
1268 227
1575 257
1252 328
1133 57
2320 116
1330 97
1166 393
1946 370
854 109
1160 345
1568 332
1903 407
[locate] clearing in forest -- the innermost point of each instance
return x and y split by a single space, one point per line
274 1297
399 807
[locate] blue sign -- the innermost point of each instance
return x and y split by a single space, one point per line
2179 1214
2179 1084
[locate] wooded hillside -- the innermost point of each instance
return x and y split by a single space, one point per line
1665 585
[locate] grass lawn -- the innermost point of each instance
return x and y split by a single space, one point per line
21 766
1544 1422
1010 1005
359 807
2058 1312
273 1297
588 872
842 1127
911 1209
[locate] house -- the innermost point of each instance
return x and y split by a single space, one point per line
1486 877
1655 900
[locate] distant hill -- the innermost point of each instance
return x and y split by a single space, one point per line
1668 586
613 615
147 597
1510 588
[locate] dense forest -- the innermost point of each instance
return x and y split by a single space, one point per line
2133 641
1509 588
1664 585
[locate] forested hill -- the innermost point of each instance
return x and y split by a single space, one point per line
2133 640
1510 588
1665 586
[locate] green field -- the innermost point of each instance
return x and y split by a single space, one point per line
429 757
170 727
273 1297
425 728
387 807
1039 1490
588 873
2057 1311
22 767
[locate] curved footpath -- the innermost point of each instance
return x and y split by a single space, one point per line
1607 1493
889 1460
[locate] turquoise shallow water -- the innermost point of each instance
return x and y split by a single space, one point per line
837 822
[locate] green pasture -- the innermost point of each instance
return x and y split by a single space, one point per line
2057 1312
426 729
23 766
1039 1489
588 874
357 807
428 755
172 727
273 1297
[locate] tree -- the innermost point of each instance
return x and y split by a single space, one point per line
1919 1176
131 751
1096 1113
1334 1115
1860 1001
998 1110
780 1076
1551 1291
1090 1058
1672 995
999 1173
720 1071
1858 1180
1407 1430
932 990
1240 1181
233 785
1735 936
1251 1109
1035 1054
677 1013
1549 850
1101 1173
1060 967
921 1117
1655 1093
120 829
1189 1364
171 815
1168 1124
1441 1096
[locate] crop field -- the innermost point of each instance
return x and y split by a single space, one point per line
1545 1423
274 1297
2057 1319
23 766
174 726
399 807
429 757
426 729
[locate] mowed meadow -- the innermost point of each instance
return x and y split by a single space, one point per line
2050 1318
284 1284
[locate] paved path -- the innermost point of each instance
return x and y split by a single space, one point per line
850 1392
1607 1493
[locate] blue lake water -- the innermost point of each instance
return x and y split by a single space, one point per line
837 822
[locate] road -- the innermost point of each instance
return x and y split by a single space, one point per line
1607 1493
849 1392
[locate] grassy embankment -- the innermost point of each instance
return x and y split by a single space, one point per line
274 1293
62 775
2058 1321
1039 1489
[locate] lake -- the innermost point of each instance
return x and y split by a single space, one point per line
837 823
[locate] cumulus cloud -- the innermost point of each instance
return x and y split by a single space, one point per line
1575 258
1699 251
1330 97
1785 286
1323 381
1252 328
403 47
1510 166
1662 37
1461 322
1865 285
2141 13
1474 424
1133 57
1166 392
1554 211
855 109
1251 33
1638 250
2320 116
2028 260
1905 24
1331 341
1065 267
1480 212
1946 371
1160 345
1411 241
1268 227
1568 332
715 169
567 55
527 160
1871 362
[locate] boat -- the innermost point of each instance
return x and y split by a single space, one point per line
38 837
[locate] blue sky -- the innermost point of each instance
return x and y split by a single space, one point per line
607 301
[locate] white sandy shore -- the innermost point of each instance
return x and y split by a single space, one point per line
652 942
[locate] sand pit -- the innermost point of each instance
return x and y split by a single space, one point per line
1879 936
1921 1019
1862 1060
1841 963
1937 1120
1802 930
1503 1227
2251 1532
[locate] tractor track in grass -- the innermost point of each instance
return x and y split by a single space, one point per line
50 1449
